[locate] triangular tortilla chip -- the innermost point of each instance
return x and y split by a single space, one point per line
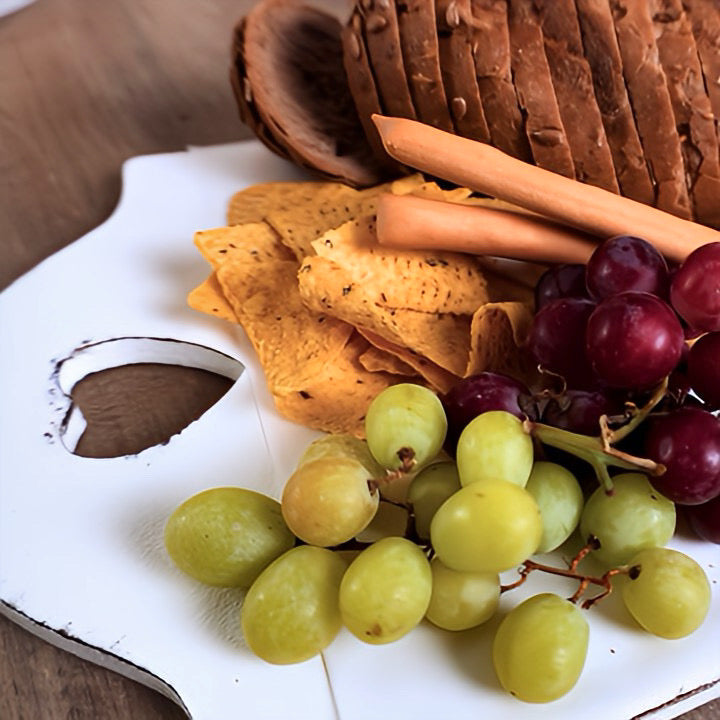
208 298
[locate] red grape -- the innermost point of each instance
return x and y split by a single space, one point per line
556 340
579 411
695 288
560 281
703 369
704 519
482 392
626 263
687 442
633 340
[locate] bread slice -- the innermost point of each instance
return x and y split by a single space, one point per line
572 80
694 117
419 45
705 18
491 51
292 56
543 124
650 100
382 38
457 66
603 55
362 87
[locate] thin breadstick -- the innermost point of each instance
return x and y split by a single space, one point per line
486 169
407 221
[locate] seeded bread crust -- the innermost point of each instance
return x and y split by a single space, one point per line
419 45
382 39
572 80
603 55
691 106
650 100
543 124
705 18
362 87
458 69
491 51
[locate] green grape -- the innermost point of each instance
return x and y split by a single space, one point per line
405 416
667 592
386 590
345 446
560 499
429 489
494 446
328 501
634 517
226 536
291 612
461 600
540 648
489 526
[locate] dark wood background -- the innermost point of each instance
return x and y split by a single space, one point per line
84 86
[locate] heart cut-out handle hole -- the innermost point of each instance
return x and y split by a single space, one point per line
133 407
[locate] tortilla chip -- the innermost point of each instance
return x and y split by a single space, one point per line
442 338
208 298
431 281
253 203
337 398
293 342
498 331
439 380
376 360
253 241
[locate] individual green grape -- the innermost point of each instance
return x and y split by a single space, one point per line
494 446
226 536
635 516
667 592
386 590
405 416
560 499
345 446
461 600
291 612
540 648
489 526
328 501
429 489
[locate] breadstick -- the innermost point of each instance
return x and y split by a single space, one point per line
488 170
408 221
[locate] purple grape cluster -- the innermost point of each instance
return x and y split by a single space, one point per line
613 330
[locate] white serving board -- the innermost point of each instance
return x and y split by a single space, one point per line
81 556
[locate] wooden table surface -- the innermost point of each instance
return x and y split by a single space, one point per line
84 86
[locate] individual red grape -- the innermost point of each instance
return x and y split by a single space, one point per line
704 519
626 263
480 393
633 340
556 340
579 411
695 288
703 369
560 281
687 442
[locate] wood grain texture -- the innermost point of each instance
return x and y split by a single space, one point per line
84 86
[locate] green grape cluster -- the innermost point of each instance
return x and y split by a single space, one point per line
497 505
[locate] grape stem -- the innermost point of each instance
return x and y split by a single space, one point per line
637 415
572 572
595 450
407 465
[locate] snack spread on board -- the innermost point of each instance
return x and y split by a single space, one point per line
501 304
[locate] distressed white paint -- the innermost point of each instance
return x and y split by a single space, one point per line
81 558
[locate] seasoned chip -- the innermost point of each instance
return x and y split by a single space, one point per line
208 298
376 360
253 203
255 241
337 398
431 281
443 338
